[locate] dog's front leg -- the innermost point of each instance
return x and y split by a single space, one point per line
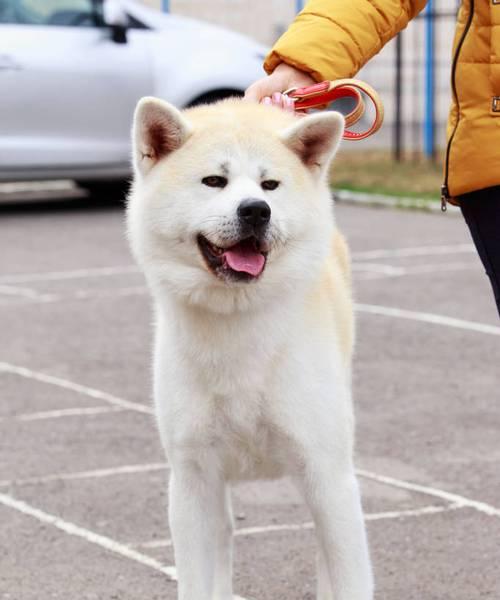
196 515
344 564
323 586
223 585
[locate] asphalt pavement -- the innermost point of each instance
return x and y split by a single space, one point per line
82 475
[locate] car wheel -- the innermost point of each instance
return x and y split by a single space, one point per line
115 190
215 95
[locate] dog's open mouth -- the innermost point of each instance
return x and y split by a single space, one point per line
243 261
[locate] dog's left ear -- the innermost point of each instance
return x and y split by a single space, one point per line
159 129
315 139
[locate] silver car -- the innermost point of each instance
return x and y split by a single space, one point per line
71 72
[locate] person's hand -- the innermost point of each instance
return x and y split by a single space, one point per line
268 89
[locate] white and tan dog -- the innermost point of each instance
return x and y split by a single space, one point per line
230 217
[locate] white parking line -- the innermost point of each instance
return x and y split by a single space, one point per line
95 473
75 387
381 269
136 290
125 269
24 292
244 531
85 294
366 271
90 536
411 512
86 534
441 267
63 412
450 249
424 317
72 274
455 499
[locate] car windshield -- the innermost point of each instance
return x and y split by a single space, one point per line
65 13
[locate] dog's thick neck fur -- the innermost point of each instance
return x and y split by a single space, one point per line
230 352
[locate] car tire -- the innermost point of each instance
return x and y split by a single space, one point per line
115 190
214 96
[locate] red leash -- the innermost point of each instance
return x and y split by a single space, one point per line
321 94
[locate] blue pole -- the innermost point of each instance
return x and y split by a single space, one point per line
165 5
299 5
429 126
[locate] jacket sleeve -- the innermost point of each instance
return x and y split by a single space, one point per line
332 39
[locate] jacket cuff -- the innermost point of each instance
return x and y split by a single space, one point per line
317 46
274 58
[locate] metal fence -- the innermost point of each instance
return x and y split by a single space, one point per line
429 63
412 74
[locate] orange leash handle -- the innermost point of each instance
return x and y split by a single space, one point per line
321 94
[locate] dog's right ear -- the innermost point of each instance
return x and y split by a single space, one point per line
159 129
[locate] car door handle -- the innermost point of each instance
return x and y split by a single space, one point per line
7 63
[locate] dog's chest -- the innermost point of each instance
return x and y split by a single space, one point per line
222 379
247 441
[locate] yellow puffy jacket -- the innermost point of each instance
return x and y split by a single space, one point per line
331 39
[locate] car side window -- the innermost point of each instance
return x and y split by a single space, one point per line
58 13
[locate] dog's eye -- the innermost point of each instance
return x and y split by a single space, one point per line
215 181
269 184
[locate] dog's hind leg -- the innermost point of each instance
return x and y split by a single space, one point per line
338 518
223 585
195 513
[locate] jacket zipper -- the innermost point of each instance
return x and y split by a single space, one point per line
445 193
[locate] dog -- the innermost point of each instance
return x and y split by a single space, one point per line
230 217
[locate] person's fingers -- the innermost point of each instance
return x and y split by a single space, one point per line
266 86
269 90
282 78
289 104
254 92
284 102
261 88
279 100
276 98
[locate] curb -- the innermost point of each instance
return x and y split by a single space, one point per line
367 199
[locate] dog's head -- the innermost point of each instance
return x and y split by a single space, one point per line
230 202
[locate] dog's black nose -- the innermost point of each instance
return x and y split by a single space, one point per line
254 212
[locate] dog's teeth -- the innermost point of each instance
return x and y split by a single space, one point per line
215 249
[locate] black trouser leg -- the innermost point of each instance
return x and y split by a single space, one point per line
481 210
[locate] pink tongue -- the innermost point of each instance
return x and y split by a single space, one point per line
241 258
